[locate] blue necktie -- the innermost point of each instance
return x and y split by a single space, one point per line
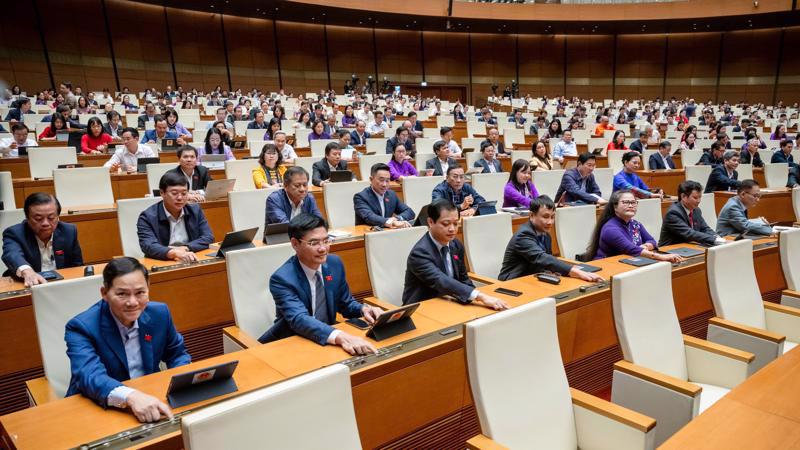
448 266
320 301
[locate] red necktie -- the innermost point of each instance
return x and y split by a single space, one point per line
691 220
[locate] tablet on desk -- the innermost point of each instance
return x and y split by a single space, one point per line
338 176
202 384
236 240
686 252
276 233
394 322
639 261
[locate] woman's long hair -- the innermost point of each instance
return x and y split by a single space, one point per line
608 213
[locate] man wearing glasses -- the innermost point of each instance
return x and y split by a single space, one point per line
310 288
733 219
454 188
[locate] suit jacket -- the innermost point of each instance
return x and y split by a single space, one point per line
141 121
20 247
637 147
292 293
434 164
392 143
153 229
16 114
355 139
443 190
426 276
499 148
150 135
368 208
279 207
780 157
200 177
571 188
97 354
733 220
677 230
708 159
482 163
107 129
720 181
656 162
746 158
525 255
321 171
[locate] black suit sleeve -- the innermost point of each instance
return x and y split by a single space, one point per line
680 227
423 265
529 248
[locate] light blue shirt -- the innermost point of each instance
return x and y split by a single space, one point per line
563 149
133 352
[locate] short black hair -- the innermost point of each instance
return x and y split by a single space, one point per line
746 185
664 144
331 146
785 142
400 130
689 186
485 144
133 131
40 198
379 166
303 223
111 114
439 206
542 201
453 167
170 179
291 172
583 157
158 118
16 126
444 130
186 148
122 266
630 155
717 145
438 146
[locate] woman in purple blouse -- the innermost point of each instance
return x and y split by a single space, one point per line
618 233
519 190
349 119
318 131
399 167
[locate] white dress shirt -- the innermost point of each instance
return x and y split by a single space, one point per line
455 150
118 397
5 145
48 261
311 275
177 229
127 159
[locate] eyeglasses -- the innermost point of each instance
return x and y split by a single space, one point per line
316 244
755 196
629 202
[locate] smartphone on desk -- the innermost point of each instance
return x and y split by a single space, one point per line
361 324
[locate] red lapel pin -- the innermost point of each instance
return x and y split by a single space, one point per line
59 252
455 257
328 277
148 338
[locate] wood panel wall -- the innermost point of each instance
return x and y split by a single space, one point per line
153 46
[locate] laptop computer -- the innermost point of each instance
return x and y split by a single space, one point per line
276 233
169 144
141 163
218 189
62 135
214 161
338 176
236 240
202 384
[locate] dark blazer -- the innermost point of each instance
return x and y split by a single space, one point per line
200 177
719 180
97 355
321 171
107 129
434 164
780 157
153 229
392 143
637 146
141 120
443 190
708 159
756 161
482 163
676 228
289 287
655 162
571 188
255 126
525 255
20 247
279 207
150 135
426 276
499 148
355 139
16 114
368 209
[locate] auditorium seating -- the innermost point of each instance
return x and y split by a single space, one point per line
9 217
547 182
87 186
490 186
248 208
572 225
776 174
7 191
745 171
417 191
128 212
387 253
649 214
155 172
789 245
485 240
242 172
367 161
339 207
43 161
698 173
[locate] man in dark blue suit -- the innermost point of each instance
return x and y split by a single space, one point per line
579 185
22 106
284 204
160 132
400 137
359 136
462 194
724 177
172 228
310 288
378 206
123 336
41 242
662 160
436 266
784 155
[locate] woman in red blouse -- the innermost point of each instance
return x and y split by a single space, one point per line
57 122
618 142
95 141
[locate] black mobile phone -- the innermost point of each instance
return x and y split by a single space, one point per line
358 323
505 291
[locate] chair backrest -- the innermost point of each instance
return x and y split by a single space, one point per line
421 158
513 136
698 173
255 135
128 211
425 145
776 174
301 137
447 120
796 203
604 177
473 143
83 186
485 239
249 271
745 171
417 190
306 162
691 157
9 217
573 229
42 161
318 147
527 155
366 162
615 159
7 191
733 285
649 214
471 157
431 133
646 158
54 304
790 245
387 254
339 207
268 417
242 171
154 173
377 145
595 143
245 207
709 210
490 186
547 181
646 321
517 346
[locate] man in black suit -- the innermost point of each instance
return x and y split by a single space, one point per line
443 161
640 145
713 157
750 154
724 177
197 175
662 160
400 137
379 206
41 242
436 266
530 250
113 126
684 220
332 161
359 136
784 155
21 107
148 116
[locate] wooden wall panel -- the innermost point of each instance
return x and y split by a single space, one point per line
640 66
789 82
749 61
447 58
399 56
589 66
541 65
79 54
494 60
251 53
692 65
198 49
350 51
302 51
22 60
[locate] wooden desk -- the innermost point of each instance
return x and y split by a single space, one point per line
668 180
760 413
775 204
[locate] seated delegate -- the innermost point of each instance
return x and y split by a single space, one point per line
126 157
310 288
41 242
733 220
462 194
684 220
293 199
519 191
332 161
579 185
121 337
196 174
173 229
627 179
488 164
442 162
379 206
662 160
724 177
270 168
399 167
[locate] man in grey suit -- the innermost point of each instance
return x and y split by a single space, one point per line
684 221
488 164
733 217
443 161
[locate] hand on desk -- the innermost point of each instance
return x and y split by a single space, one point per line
147 408
371 313
575 272
32 278
491 302
182 254
355 345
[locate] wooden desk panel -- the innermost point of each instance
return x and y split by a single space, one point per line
775 204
